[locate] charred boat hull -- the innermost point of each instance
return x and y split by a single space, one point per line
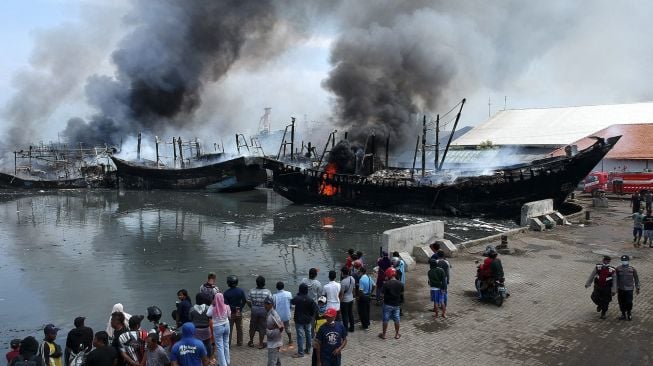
499 195
8 181
238 174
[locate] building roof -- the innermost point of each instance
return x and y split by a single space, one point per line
553 127
635 143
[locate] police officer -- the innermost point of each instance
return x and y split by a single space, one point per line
627 281
605 285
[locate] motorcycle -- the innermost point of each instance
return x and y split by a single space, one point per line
494 291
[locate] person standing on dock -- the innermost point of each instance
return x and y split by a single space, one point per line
80 339
49 351
314 286
605 285
638 227
282 304
438 284
647 222
183 306
236 299
332 292
636 202
365 290
383 263
393 297
209 288
648 199
274 328
305 312
256 300
347 287
627 281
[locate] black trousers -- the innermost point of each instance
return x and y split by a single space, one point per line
625 298
364 310
347 309
602 297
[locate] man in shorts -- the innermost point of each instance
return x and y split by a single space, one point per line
393 296
638 219
438 284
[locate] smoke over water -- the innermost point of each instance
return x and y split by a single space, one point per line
174 49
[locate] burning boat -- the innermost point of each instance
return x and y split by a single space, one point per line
499 193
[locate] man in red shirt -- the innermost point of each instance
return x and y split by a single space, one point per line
15 350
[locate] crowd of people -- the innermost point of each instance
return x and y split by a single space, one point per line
323 316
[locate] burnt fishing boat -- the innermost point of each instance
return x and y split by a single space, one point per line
224 175
9 181
499 193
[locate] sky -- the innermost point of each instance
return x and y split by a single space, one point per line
505 53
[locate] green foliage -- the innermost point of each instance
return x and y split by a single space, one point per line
485 145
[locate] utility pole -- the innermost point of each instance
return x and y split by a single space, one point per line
423 145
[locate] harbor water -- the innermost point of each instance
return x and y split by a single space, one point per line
76 253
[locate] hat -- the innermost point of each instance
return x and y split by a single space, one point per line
50 329
625 257
395 259
330 313
390 272
15 343
357 263
606 258
321 299
79 321
135 320
268 300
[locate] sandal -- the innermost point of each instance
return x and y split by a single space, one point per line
250 344
398 335
381 336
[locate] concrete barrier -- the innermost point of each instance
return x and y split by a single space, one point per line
535 209
404 239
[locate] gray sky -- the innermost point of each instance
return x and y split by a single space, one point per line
544 54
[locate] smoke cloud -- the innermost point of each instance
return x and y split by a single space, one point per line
164 64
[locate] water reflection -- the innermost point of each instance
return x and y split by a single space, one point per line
78 252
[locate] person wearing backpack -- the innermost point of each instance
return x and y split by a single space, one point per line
49 351
605 285
29 348
79 341
132 343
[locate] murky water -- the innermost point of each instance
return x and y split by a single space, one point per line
72 253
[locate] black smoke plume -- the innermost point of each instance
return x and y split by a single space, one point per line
162 66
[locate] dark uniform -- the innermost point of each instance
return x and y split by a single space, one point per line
627 281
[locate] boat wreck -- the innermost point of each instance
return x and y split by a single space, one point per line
224 175
499 193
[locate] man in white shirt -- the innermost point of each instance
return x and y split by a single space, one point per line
332 292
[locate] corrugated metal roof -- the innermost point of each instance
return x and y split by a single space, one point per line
553 126
635 142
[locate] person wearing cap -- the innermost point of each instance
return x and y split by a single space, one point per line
49 351
103 354
605 285
273 329
236 299
80 339
189 351
393 297
365 290
305 312
15 350
256 300
627 281
29 348
331 339
131 341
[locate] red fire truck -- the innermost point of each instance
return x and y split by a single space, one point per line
617 182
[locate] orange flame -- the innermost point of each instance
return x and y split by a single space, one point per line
325 188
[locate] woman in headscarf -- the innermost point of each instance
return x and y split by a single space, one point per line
220 313
383 263
117 308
